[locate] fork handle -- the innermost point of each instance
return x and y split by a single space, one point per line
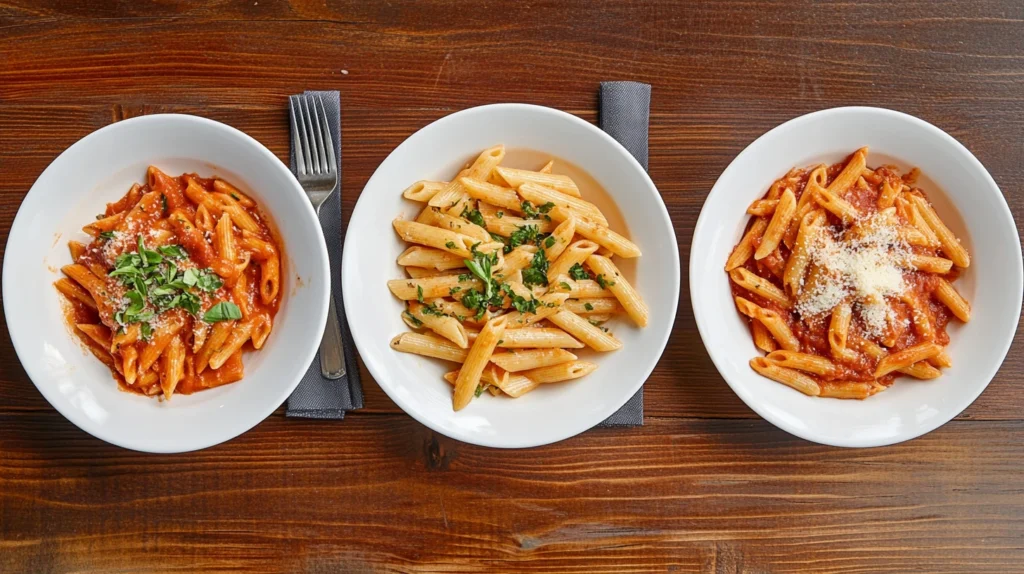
332 356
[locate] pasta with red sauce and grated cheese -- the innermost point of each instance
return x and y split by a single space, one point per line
181 275
845 274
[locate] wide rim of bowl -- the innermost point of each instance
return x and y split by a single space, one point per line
127 441
673 275
1006 339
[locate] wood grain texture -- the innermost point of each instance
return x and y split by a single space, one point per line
705 486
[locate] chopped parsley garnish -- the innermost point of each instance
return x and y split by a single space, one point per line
453 291
479 391
450 244
549 242
588 306
565 286
107 235
475 216
163 202
235 196
578 272
433 309
481 266
500 214
463 277
223 311
522 304
537 272
532 212
603 282
496 237
521 236
412 319
419 293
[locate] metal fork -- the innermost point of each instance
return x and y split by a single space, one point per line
317 168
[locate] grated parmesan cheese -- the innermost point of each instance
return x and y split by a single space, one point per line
864 263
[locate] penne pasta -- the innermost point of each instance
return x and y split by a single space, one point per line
479 354
542 196
531 359
620 288
950 245
777 226
599 234
518 177
560 372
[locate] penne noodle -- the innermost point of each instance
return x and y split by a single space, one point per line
426 257
434 319
591 335
762 338
534 338
560 372
479 354
599 234
434 217
515 361
423 190
763 207
518 177
838 206
496 195
550 165
600 305
744 250
846 178
574 254
777 226
802 362
422 234
75 292
948 296
221 186
172 369
240 333
541 195
760 286
929 264
620 288
788 377
906 357
429 346
558 241
848 390
950 245
431 287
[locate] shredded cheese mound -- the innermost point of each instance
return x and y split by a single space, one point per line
863 263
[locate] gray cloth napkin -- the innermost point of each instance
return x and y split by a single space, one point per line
625 115
317 397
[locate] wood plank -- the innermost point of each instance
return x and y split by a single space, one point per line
378 492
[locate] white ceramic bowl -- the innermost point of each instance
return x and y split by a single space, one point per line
552 412
100 168
966 198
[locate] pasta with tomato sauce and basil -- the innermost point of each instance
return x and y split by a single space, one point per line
845 274
180 276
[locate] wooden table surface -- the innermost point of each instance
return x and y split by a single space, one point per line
705 485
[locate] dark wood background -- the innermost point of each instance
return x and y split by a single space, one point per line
705 485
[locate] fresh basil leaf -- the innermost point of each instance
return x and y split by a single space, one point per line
190 277
419 293
107 235
173 251
223 311
145 331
